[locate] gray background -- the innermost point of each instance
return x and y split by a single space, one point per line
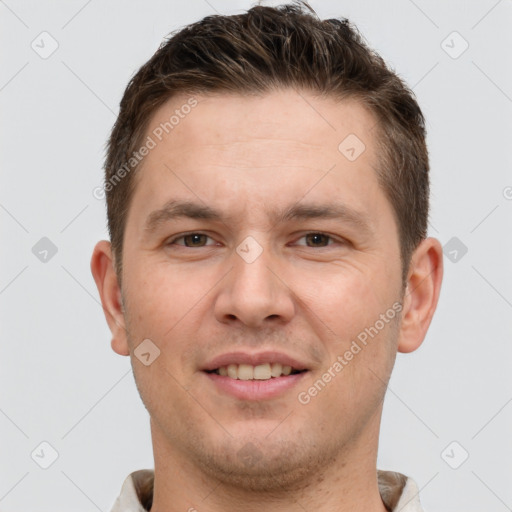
61 382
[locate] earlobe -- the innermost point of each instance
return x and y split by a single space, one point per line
103 271
422 294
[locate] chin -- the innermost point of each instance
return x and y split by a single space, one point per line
258 463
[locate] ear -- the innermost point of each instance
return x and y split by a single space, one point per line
421 295
103 271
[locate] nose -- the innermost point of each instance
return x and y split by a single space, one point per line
255 293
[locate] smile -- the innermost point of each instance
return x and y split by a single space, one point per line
264 371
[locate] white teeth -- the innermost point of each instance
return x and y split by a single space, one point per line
260 372
232 371
287 370
276 369
245 372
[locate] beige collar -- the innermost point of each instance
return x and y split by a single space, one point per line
399 493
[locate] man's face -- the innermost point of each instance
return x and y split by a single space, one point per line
300 287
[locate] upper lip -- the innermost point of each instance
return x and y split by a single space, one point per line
254 359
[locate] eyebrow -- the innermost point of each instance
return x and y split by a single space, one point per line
174 209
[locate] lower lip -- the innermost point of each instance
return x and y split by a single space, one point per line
255 389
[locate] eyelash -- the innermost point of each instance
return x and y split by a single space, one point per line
329 237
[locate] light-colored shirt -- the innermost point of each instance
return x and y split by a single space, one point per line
399 493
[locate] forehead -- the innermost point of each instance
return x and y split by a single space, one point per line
235 150
275 120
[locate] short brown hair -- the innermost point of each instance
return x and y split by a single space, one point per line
265 49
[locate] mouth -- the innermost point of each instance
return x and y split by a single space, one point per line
255 376
265 371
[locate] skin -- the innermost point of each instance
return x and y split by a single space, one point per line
307 297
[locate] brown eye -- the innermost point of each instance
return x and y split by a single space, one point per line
318 239
195 240
191 240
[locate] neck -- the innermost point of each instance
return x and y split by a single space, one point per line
347 482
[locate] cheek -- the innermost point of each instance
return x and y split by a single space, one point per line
346 301
352 384
161 307
160 297
359 331
170 307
